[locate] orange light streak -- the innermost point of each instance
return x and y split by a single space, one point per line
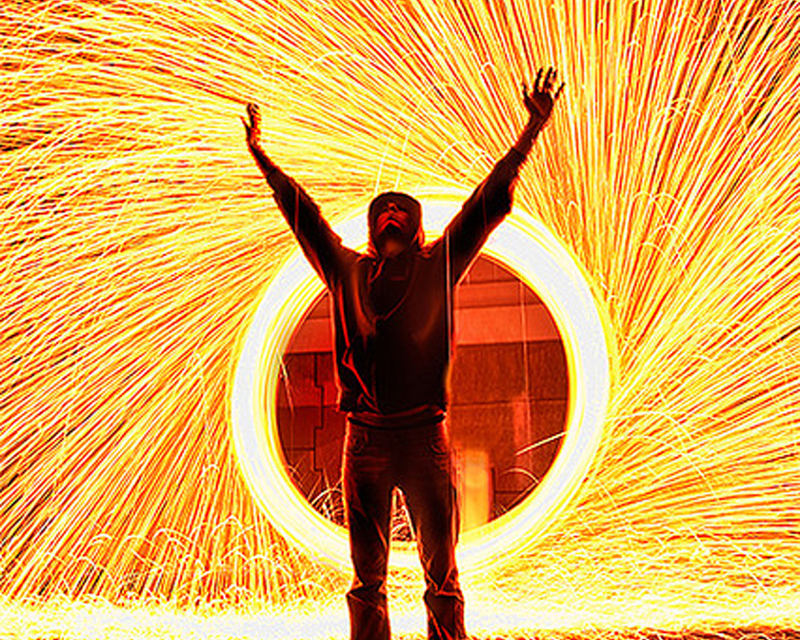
135 235
545 266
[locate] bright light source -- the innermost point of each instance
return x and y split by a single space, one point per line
529 250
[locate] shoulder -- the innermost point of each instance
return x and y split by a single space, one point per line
432 249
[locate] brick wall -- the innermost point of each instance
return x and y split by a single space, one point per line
508 398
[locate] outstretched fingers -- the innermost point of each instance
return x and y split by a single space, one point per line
545 82
537 86
549 79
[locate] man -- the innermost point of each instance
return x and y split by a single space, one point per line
392 330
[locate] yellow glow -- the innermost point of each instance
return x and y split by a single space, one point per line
541 262
136 236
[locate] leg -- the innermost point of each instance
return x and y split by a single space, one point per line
367 497
432 503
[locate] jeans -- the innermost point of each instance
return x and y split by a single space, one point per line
419 461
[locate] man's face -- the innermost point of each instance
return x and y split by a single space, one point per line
394 227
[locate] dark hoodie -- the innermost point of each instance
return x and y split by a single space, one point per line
393 316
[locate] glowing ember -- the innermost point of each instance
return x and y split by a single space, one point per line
137 235
547 267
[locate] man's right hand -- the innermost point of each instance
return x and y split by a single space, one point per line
253 127
253 130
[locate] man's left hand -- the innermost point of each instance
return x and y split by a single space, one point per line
541 100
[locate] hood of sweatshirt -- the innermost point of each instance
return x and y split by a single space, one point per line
411 228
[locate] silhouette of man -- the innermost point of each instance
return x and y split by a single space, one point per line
392 335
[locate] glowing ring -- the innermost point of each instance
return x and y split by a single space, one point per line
537 257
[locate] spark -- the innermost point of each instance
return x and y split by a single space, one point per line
541 262
137 235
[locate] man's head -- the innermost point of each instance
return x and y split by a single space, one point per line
395 223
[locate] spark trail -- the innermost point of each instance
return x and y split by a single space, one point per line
136 234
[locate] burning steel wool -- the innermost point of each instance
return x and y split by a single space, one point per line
138 237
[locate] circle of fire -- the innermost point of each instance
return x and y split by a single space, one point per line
542 263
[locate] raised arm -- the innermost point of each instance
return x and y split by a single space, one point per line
321 245
491 201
